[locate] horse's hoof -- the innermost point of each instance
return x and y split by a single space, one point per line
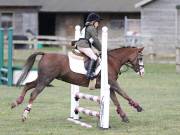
139 109
125 119
23 119
13 105
25 115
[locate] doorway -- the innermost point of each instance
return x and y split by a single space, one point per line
47 24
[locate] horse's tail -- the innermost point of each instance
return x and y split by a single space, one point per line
27 67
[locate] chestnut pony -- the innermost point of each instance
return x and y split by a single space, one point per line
56 66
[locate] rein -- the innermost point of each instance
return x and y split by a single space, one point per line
128 65
127 68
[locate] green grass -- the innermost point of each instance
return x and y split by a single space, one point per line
158 92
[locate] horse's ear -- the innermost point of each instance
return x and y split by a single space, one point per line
141 49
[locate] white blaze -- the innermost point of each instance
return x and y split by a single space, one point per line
141 71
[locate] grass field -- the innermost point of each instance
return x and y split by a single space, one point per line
158 92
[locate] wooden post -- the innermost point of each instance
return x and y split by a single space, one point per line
1 51
177 41
35 43
125 25
178 59
1 47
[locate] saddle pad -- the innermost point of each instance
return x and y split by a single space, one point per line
76 64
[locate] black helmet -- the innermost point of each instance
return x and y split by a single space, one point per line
93 17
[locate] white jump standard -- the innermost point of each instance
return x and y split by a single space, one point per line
103 99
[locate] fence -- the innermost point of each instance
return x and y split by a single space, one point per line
46 40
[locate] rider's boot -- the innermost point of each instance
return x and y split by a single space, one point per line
91 69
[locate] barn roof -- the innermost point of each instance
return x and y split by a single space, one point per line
142 3
89 5
76 5
13 3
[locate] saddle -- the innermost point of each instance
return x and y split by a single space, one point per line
78 63
85 58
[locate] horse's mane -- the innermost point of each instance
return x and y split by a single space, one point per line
128 47
123 47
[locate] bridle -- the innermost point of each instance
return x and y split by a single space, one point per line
128 65
140 59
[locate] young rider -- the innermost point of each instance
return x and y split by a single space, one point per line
89 38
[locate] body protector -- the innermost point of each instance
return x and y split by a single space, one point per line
83 36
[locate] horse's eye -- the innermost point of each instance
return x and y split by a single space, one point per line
141 59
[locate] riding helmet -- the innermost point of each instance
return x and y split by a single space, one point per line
93 17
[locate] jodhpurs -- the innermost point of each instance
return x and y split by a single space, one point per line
89 52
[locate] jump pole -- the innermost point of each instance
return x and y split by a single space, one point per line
103 100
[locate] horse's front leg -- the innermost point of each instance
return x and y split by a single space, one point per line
118 107
124 95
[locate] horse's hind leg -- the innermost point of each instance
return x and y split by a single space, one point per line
39 88
117 104
124 95
20 99
42 82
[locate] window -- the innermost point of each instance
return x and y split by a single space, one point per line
6 20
